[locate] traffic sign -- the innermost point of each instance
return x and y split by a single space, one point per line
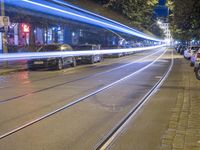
4 21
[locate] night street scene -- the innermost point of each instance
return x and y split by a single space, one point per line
99 74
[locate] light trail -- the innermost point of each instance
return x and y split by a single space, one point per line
74 15
96 15
38 55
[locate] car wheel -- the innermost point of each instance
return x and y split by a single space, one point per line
92 60
59 64
100 59
31 68
73 63
197 73
191 64
181 52
195 69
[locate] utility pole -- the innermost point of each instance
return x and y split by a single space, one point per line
5 48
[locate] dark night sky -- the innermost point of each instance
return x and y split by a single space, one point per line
162 2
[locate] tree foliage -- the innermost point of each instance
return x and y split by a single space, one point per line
185 19
139 12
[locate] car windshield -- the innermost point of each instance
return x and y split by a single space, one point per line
49 48
84 47
195 48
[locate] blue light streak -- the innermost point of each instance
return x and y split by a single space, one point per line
96 15
69 13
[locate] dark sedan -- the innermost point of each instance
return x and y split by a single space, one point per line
55 63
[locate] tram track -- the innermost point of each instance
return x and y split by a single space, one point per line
116 131
78 100
3 101
71 69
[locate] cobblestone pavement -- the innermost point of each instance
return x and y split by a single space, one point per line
183 131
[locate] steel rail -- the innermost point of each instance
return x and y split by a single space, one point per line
78 100
115 132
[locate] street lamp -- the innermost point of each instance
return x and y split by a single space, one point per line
159 22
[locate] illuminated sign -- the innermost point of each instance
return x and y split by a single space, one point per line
25 28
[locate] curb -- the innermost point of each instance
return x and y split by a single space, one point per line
12 71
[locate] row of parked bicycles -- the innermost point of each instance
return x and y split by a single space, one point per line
191 53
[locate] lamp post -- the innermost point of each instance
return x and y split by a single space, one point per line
5 48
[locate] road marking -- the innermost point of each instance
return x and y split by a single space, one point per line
158 77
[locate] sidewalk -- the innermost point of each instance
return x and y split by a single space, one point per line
13 66
171 118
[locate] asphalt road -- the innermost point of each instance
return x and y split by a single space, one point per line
74 108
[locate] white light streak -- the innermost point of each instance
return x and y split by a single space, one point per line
37 55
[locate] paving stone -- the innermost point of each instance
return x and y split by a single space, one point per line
189 147
167 142
184 123
178 141
191 140
169 136
176 149
183 132
165 148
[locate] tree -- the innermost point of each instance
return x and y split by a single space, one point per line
185 19
139 12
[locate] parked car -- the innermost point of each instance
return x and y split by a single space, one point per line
176 46
182 49
56 63
88 59
113 54
197 70
128 45
197 60
179 48
190 51
194 57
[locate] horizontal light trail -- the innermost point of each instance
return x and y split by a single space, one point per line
39 55
96 15
49 8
